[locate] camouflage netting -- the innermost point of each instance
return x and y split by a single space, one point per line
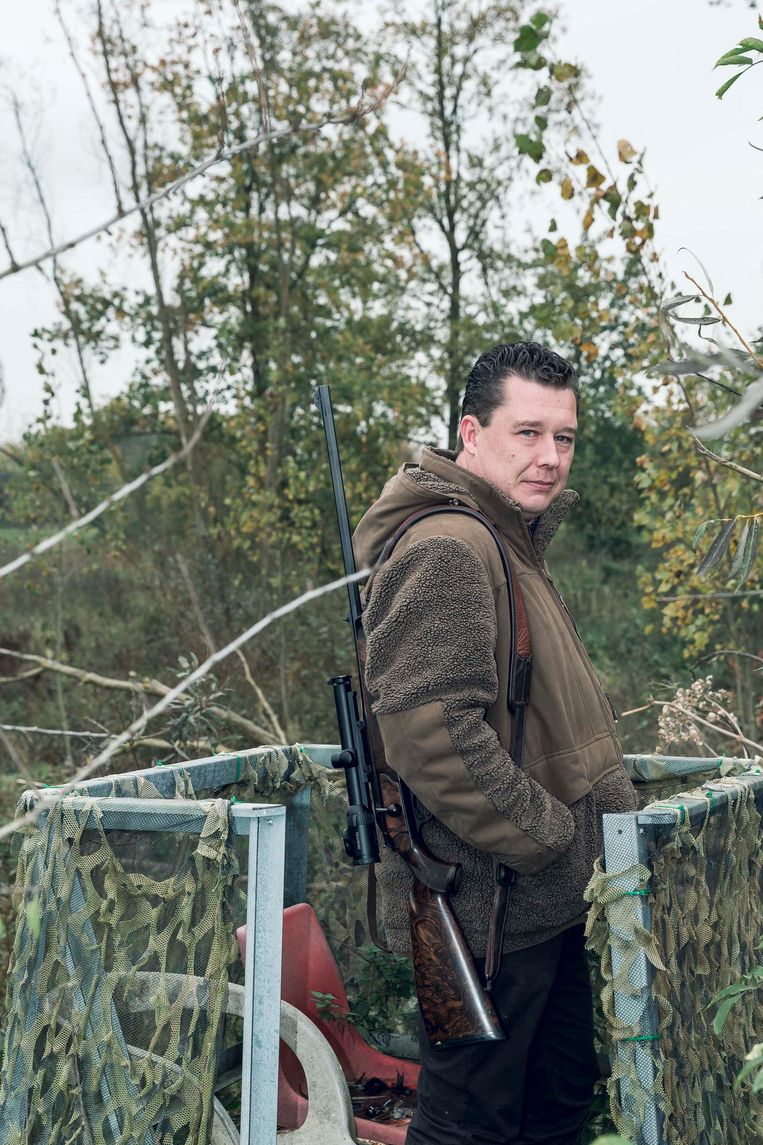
125 945
118 981
704 887
152 916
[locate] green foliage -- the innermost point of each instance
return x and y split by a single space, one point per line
380 989
741 56
746 547
350 257
381 992
751 1073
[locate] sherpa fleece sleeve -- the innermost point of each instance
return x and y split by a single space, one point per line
431 672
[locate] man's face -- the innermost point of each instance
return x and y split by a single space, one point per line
526 450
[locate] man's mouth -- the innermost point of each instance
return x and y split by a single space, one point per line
543 485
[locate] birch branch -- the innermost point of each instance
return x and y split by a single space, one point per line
349 116
141 687
112 499
137 726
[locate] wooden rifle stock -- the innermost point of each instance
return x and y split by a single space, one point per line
455 1007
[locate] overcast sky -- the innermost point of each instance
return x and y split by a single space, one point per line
650 63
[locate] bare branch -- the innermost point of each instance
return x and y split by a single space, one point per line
143 741
279 733
7 244
71 504
708 595
15 757
193 596
349 117
137 726
140 687
251 52
54 731
47 664
91 102
21 676
729 652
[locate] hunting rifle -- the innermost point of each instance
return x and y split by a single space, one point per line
455 1007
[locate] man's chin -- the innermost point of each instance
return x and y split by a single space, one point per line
532 505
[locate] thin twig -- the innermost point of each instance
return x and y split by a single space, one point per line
71 504
91 101
15 757
349 116
251 52
725 461
634 711
54 731
143 741
7 244
729 652
201 623
708 595
21 676
137 726
725 319
278 731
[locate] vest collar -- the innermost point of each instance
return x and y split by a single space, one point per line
505 514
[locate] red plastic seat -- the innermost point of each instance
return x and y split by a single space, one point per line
308 965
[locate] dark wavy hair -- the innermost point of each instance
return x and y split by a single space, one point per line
484 391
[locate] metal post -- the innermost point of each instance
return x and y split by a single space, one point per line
262 1001
624 849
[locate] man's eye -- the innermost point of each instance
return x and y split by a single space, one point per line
527 432
564 439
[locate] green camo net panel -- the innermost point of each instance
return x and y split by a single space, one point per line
118 981
704 887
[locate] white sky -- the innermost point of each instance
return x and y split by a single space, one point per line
650 62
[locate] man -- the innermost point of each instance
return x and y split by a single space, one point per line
437 631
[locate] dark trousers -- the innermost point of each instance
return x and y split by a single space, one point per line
537 1085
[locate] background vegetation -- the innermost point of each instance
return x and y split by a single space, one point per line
357 226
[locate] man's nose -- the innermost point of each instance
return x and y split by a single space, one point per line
549 453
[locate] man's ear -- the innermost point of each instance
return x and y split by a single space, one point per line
468 430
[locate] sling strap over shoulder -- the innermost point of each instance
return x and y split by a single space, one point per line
520 653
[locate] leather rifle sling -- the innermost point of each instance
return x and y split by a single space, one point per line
517 698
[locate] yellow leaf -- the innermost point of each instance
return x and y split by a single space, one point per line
625 152
567 188
579 158
594 177
588 220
